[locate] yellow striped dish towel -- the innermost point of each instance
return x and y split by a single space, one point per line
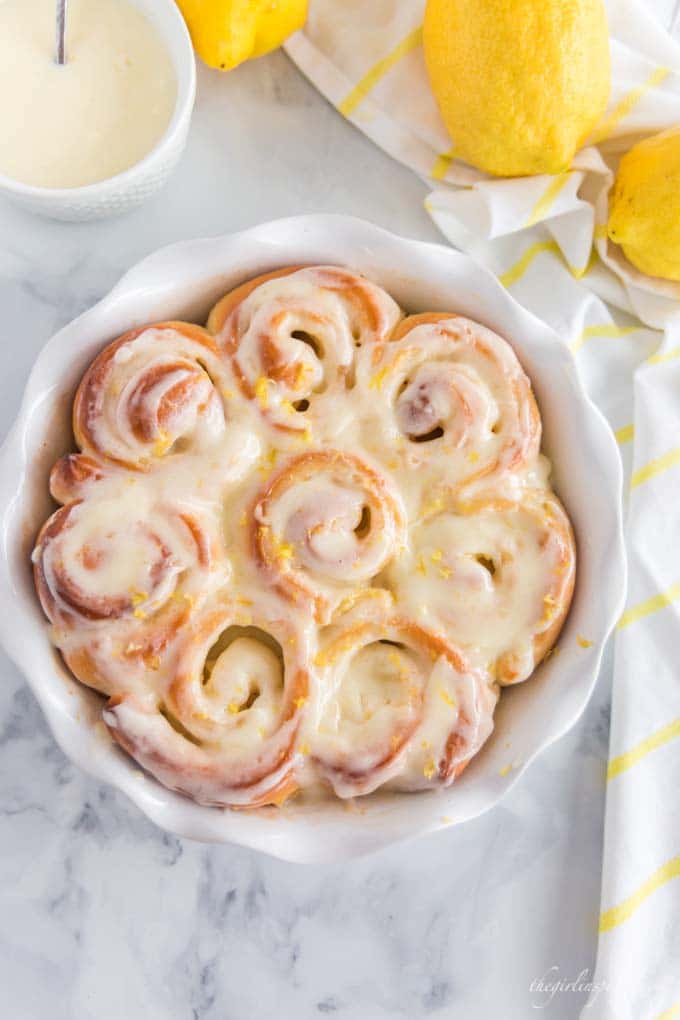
544 237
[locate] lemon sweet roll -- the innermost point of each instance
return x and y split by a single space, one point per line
302 550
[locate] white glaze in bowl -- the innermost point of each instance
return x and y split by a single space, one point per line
183 281
131 187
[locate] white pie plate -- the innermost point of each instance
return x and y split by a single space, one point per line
183 281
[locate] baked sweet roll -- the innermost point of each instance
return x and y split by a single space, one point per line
497 577
73 476
226 728
155 391
292 337
119 578
302 551
448 392
328 522
400 705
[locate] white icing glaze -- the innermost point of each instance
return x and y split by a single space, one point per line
156 390
493 577
398 705
449 395
293 341
97 115
328 523
275 607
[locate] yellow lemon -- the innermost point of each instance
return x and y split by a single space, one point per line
227 32
520 83
644 210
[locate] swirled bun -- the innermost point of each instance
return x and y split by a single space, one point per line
302 550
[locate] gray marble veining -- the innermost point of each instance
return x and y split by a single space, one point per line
104 917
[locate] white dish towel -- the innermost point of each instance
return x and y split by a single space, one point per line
544 237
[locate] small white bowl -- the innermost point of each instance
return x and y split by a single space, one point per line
131 187
183 281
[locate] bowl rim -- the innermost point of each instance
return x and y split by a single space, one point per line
185 72
169 810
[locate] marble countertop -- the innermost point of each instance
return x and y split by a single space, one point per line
102 916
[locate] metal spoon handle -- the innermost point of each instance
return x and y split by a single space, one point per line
60 54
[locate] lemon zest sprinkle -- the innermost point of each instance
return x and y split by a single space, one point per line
433 507
162 444
282 550
262 392
378 379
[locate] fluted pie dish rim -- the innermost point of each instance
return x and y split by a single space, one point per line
183 282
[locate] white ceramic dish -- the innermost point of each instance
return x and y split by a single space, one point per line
131 187
183 281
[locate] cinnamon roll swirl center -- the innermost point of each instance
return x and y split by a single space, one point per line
381 688
242 681
441 399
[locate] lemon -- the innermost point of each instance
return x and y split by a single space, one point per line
520 83
644 209
227 32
